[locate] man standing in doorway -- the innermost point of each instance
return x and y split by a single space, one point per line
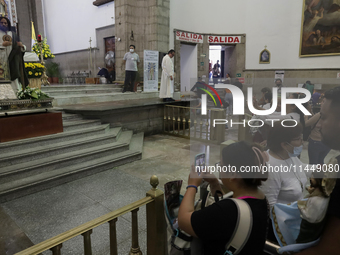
278 83
130 61
167 81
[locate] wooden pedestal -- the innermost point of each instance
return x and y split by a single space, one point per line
30 125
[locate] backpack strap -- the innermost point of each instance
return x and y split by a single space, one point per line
243 228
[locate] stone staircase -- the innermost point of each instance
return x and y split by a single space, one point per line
84 148
91 93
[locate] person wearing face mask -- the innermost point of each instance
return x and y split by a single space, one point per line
13 51
288 183
130 61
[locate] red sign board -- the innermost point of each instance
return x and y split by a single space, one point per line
224 39
189 37
241 80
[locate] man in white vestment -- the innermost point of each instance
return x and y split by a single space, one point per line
167 81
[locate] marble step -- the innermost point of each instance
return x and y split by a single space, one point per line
71 116
76 124
49 150
46 180
80 87
136 143
107 97
63 92
34 167
51 139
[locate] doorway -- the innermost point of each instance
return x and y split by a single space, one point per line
188 66
226 56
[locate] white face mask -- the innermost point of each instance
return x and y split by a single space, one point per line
132 50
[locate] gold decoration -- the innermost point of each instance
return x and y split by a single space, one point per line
154 181
7 38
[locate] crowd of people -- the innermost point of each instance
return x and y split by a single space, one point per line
281 146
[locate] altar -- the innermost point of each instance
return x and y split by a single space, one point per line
20 119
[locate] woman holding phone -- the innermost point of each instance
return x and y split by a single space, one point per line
215 224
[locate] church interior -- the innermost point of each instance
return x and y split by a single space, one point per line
85 159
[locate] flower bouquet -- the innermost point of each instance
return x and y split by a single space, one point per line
34 70
45 49
32 93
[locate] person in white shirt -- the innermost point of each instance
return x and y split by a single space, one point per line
288 182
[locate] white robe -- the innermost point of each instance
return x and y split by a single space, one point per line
167 85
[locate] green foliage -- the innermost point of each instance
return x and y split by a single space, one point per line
52 69
32 93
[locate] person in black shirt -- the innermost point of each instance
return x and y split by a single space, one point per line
329 126
215 224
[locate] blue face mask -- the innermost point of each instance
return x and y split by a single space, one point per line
296 152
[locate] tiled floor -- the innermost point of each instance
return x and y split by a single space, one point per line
50 212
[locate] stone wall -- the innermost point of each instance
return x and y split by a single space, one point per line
27 11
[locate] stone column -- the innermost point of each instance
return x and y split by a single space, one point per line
149 21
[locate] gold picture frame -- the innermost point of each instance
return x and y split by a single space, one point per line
317 37
264 57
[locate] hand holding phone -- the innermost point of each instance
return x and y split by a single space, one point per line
199 163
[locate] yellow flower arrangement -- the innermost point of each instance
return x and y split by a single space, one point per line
34 70
45 49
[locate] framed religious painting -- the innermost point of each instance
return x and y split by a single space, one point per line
265 57
320 28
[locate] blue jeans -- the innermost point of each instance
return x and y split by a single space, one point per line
317 151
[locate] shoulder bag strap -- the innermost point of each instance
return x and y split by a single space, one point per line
243 228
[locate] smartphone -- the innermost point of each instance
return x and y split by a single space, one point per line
199 161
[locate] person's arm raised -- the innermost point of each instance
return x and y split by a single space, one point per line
187 205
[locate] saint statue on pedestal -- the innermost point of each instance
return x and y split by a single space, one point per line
3 8
11 56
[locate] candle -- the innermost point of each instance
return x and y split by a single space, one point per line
39 38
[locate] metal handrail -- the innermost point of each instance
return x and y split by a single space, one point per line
59 239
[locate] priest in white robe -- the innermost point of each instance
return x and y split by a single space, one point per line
167 81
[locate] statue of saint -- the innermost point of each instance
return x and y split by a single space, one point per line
3 9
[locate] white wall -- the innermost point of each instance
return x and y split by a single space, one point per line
275 23
188 66
71 23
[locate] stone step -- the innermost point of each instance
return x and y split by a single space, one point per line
41 152
63 92
76 124
136 143
71 116
51 139
46 180
80 87
95 98
34 167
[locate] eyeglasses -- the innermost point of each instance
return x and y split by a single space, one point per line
4 22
